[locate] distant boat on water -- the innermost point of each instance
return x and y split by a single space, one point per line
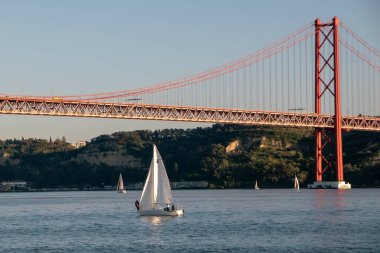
120 185
156 198
296 183
256 186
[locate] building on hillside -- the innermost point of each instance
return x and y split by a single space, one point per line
79 144
190 185
13 185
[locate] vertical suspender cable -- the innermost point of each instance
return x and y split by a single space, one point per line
250 86
263 83
346 69
306 79
352 84
294 74
288 84
245 87
282 79
276 89
257 87
270 82
300 64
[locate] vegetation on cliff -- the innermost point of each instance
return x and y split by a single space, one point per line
227 156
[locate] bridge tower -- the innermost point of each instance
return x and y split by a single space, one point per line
327 83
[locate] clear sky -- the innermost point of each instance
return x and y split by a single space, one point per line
72 47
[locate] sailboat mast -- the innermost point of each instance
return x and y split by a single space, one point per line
155 174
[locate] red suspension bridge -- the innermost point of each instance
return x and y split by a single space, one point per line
314 77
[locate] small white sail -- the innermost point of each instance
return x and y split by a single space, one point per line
157 195
120 185
256 186
296 184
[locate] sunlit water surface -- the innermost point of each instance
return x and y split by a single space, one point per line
264 220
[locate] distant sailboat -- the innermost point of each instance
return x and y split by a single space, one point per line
156 198
296 184
120 185
256 186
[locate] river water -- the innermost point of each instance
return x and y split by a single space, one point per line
266 220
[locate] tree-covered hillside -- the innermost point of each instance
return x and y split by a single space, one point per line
225 155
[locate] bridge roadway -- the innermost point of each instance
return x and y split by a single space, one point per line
95 109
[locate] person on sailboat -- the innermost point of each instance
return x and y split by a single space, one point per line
137 205
167 208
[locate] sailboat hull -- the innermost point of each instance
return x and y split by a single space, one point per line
159 212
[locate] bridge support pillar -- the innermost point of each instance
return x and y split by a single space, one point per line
327 85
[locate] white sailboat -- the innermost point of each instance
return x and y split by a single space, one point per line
256 186
156 198
296 184
120 185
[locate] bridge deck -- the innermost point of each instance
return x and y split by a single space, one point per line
71 108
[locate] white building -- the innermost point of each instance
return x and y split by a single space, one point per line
79 144
13 185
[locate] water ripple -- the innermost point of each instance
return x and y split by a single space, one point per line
215 221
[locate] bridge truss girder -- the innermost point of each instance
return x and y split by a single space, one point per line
28 106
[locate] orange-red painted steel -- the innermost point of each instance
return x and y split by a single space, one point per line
321 135
338 116
318 131
71 108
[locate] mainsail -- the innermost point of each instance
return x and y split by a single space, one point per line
296 184
156 192
120 184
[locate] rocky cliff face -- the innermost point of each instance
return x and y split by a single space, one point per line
232 146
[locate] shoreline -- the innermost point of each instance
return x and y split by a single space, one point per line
195 188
